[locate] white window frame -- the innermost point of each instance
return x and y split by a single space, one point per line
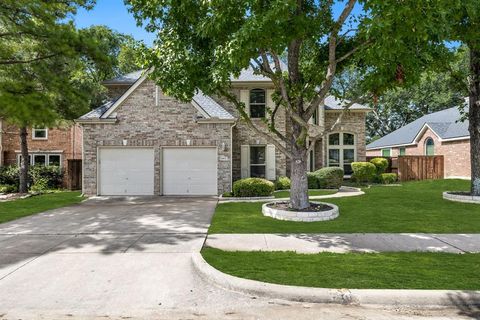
425 146
250 104
390 150
46 155
341 147
39 129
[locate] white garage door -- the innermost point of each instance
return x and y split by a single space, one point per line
190 171
126 171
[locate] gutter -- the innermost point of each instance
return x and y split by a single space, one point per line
95 121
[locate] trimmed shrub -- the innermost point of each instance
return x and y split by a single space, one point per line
46 177
363 171
227 194
329 177
312 180
253 187
282 183
9 175
5 188
381 164
388 178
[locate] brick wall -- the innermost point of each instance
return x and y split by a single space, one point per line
456 153
244 135
350 122
66 141
142 123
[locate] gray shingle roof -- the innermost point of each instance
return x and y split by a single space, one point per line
248 75
332 103
98 112
211 107
444 123
128 78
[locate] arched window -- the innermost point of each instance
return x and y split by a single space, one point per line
341 151
257 103
429 147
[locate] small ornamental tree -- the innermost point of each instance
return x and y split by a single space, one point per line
203 44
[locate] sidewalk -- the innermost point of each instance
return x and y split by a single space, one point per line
347 242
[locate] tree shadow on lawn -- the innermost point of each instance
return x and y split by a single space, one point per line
108 226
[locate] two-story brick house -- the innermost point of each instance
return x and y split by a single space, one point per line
46 146
144 142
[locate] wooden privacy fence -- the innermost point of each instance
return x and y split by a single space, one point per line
74 174
420 167
415 167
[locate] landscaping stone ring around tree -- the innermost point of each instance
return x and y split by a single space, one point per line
461 196
318 211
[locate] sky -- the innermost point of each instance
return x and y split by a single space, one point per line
114 14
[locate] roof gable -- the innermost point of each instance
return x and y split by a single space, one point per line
444 123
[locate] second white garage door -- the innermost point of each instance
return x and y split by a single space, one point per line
189 171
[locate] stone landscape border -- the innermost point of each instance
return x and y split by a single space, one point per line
451 196
391 297
300 216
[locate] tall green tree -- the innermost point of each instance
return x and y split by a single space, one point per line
202 44
456 21
120 56
399 106
38 51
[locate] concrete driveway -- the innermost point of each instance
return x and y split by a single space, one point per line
131 258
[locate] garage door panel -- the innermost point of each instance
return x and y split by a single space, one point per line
190 171
126 171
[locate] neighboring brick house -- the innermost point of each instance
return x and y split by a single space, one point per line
144 142
439 133
46 146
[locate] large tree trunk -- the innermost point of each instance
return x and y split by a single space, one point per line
298 176
474 119
24 163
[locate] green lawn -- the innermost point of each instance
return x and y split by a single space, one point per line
286 194
412 207
353 270
15 209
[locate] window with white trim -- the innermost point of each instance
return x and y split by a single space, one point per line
341 151
42 159
39 133
429 147
257 103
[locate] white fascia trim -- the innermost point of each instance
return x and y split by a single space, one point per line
392 146
422 131
216 120
127 93
456 139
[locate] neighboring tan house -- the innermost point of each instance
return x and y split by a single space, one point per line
439 133
46 146
146 143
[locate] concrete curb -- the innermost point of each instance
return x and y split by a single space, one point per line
391 297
